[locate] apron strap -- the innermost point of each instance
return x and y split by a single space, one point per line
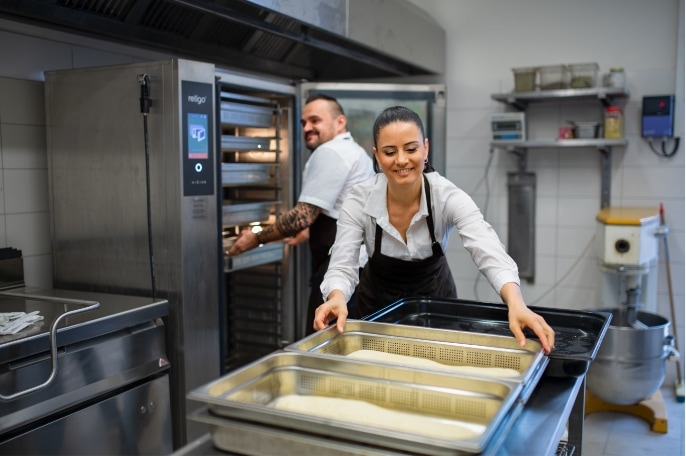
435 245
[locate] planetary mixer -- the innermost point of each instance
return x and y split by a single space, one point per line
630 366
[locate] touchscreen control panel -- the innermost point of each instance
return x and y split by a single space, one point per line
197 118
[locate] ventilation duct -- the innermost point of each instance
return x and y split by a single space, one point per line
298 39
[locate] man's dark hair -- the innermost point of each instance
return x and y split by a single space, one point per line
337 108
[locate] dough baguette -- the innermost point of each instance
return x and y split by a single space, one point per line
366 414
373 355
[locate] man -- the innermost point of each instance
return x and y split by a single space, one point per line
336 164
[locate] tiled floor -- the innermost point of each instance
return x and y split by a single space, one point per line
621 434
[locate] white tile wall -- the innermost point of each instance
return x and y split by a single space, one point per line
485 40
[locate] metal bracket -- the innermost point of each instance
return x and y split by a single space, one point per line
605 99
522 155
89 305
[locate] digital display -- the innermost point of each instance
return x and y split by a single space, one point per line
500 126
198 141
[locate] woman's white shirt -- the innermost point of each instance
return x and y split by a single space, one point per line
452 207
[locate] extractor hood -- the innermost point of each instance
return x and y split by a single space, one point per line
299 39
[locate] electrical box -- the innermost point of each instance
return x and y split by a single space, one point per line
658 116
508 126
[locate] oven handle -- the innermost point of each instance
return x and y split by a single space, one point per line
89 305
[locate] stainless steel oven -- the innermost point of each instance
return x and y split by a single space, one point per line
133 201
156 167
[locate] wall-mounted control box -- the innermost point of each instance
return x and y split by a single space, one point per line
508 126
658 116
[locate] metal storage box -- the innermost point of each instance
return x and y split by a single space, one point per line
578 333
486 407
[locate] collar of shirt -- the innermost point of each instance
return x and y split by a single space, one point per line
342 136
377 208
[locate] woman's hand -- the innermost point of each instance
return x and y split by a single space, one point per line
520 317
335 308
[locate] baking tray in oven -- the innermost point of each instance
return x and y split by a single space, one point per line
578 334
461 352
446 413
244 212
230 142
245 115
264 254
246 173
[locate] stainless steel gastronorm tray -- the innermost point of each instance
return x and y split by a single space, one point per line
246 173
449 348
240 114
243 212
578 334
267 253
233 143
247 393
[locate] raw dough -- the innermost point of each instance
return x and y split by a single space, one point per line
366 414
373 355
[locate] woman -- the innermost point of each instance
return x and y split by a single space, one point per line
405 237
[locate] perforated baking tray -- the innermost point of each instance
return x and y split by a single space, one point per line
476 404
450 351
578 333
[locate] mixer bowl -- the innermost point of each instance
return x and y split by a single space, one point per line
630 364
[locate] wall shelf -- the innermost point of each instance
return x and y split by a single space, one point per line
605 95
520 100
598 143
522 185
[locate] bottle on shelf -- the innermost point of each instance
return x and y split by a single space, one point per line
614 123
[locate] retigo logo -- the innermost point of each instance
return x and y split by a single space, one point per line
196 99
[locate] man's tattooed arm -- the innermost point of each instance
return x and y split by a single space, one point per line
290 223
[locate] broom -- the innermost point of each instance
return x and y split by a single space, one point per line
679 379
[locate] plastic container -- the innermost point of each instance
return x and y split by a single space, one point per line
525 79
583 75
614 123
615 78
586 130
553 77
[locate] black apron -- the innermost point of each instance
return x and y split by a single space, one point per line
385 279
322 238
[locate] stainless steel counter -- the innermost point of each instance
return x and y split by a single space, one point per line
537 431
96 363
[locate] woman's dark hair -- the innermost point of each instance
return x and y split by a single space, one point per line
398 114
